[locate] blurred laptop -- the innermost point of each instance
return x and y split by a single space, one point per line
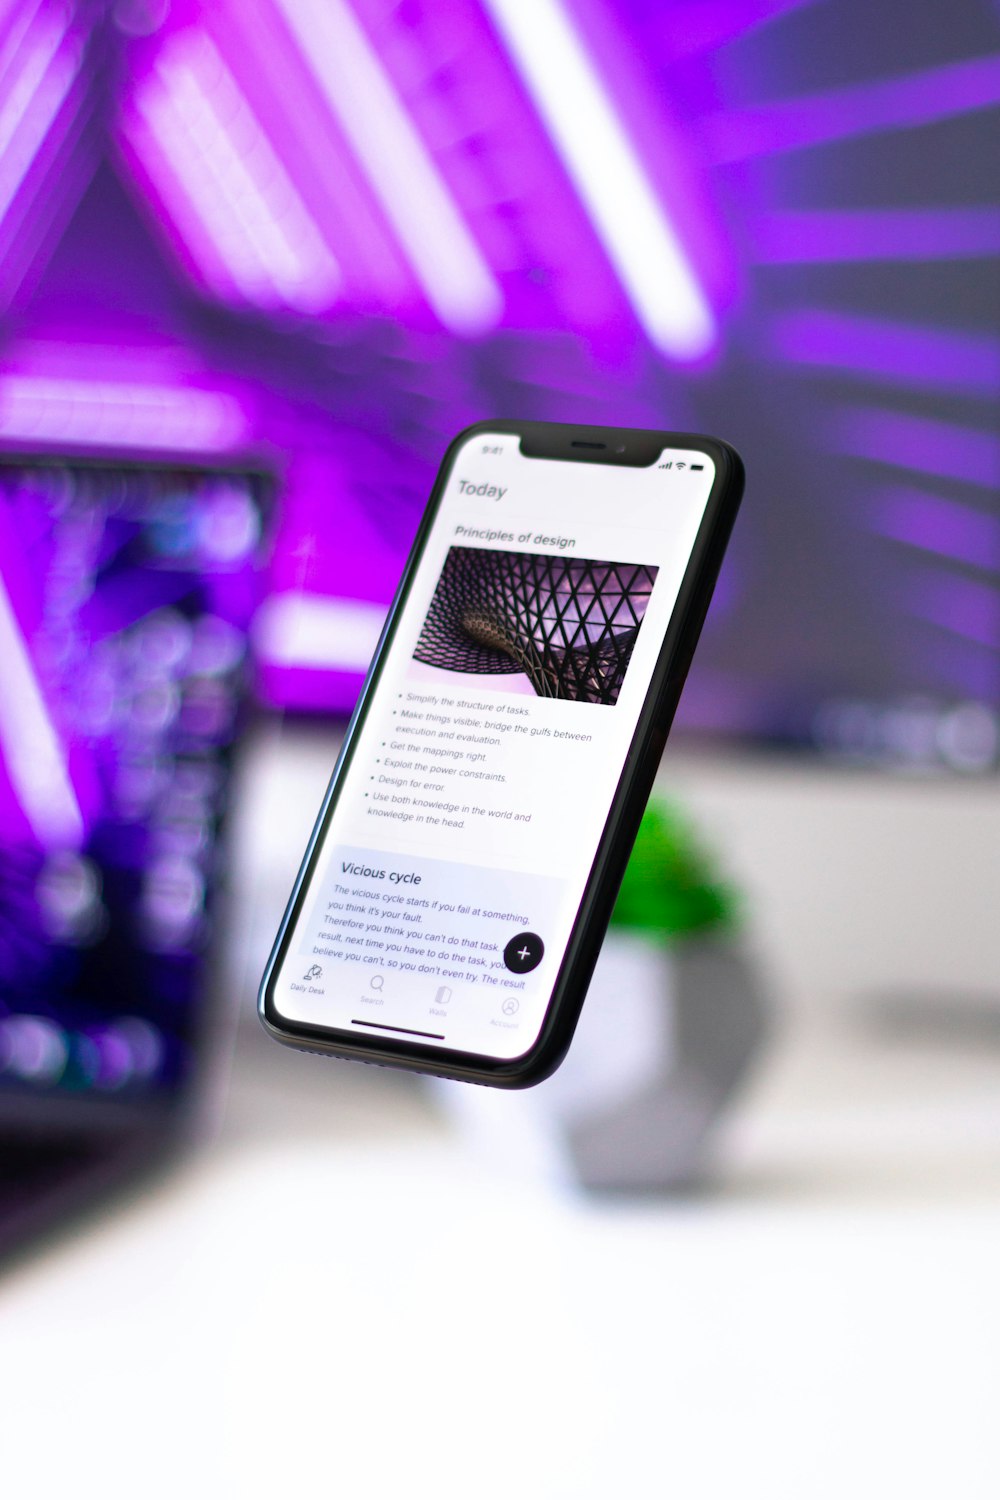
126 594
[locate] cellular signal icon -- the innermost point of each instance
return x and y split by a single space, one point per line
668 465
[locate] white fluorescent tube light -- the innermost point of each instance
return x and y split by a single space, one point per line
35 759
447 262
215 159
615 191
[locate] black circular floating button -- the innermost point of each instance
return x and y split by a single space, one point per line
524 953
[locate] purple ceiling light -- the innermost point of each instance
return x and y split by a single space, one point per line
865 109
430 165
876 234
686 27
247 208
286 98
40 65
930 523
466 102
963 606
601 161
315 630
896 353
319 625
619 203
456 280
33 758
138 415
35 76
925 444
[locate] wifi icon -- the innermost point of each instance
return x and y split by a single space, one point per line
680 464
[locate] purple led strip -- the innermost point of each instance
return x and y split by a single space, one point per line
925 444
944 527
893 104
877 234
899 353
963 606
704 25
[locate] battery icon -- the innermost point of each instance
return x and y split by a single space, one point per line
695 467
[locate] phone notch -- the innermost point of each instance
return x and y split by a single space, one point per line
628 447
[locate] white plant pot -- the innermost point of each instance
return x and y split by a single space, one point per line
664 1040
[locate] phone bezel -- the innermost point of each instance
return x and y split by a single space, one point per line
628 447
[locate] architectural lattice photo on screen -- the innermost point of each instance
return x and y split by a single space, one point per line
562 627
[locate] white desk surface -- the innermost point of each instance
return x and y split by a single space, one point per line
339 1295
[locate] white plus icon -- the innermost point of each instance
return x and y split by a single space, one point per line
523 953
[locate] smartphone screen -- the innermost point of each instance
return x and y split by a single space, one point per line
454 856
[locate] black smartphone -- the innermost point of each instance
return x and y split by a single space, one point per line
458 883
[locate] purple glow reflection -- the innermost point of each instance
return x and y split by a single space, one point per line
309 689
115 1059
922 443
960 605
940 526
906 355
35 757
457 282
892 104
49 783
33 1048
309 630
258 138
240 191
587 132
145 1044
106 413
701 25
317 158
882 234
32 99
68 892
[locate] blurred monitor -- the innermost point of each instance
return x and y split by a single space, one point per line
126 594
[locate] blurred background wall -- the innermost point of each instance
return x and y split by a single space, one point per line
328 234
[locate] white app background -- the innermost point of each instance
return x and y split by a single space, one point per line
466 825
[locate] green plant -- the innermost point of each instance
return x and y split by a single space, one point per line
671 887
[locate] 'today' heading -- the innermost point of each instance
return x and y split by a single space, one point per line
487 491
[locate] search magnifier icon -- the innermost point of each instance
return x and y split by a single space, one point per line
376 982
